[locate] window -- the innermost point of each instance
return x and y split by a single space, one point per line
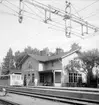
18 77
32 77
70 77
41 78
30 66
74 77
13 77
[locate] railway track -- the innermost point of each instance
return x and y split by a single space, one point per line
72 96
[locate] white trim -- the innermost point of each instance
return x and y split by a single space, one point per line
70 53
58 70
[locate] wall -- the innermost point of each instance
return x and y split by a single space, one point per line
5 82
29 67
30 63
66 60
53 65
65 75
41 66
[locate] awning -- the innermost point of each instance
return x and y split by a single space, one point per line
46 71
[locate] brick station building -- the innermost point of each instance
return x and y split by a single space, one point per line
46 70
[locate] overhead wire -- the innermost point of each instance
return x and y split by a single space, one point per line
33 11
91 14
63 29
35 14
32 18
9 8
62 11
88 5
39 3
73 33
18 8
75 10
11 4
28 8
55 25
8 13
39 10
51 21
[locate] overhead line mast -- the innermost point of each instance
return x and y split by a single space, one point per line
67 16
21 6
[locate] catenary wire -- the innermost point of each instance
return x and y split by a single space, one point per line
9 8
73 33
88 6
92 14
7 13
33 11
11 4
75 10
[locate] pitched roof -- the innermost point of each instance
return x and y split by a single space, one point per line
15 71
49 58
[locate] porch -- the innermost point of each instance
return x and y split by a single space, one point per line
50 78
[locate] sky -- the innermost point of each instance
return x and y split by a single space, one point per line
37 34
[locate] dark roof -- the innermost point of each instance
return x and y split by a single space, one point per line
15 71
49 58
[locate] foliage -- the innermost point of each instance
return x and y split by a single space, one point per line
75 46
89 58
13 61
73 66
8 62
18 57
28 50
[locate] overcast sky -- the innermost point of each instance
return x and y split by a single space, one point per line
37 34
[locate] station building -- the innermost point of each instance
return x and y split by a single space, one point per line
46 70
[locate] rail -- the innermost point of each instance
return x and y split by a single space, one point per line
70 95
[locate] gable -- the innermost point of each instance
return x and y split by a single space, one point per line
30 64
66 59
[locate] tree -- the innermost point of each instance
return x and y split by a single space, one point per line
8 62
74 46
89 58
18 57
36 51
73 66
28 50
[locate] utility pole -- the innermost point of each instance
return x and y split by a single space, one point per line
20 11
67 19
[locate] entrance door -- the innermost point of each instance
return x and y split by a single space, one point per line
46 79
57 78
25 80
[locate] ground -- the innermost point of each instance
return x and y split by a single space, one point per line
25 100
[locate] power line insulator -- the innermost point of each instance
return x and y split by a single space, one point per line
20 19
